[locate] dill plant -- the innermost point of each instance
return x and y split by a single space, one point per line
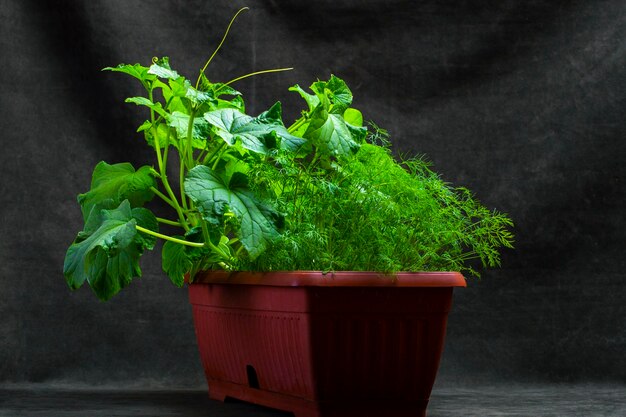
250 193
373 213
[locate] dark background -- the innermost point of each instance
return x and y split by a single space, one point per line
523 102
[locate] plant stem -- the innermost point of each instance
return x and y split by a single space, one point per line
210 156
163 174
296 125
163 196
220 44
181 181
170 238
170 222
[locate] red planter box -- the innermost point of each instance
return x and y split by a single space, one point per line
323 345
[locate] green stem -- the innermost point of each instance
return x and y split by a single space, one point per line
220 44
171 200
181 181
296 125
163 197
170 222
210 156
170 238
189 146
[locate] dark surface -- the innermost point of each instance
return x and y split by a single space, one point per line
521 101
481 401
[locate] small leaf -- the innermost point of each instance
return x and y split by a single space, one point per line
136 70
143 101
353 117
161 68
118 182
336 90
175 262
312 100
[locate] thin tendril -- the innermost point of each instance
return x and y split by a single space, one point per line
253 74
220 45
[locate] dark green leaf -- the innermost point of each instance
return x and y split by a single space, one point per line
176 262
118 182
257 134
211 194
106 255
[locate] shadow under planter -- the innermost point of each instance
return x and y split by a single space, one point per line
323 345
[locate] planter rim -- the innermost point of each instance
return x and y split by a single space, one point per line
332 279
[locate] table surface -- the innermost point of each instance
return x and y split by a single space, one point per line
481 401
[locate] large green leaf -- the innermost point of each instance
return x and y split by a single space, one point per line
331 135
213 195
257 134
118 182
106 253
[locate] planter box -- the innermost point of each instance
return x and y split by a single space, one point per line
323 345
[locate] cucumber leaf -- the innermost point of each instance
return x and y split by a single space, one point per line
176 262
213 195
331 135
353 117
134 70
118 182
180 122
143 101
257 134
312 100
161 68
106 253
335 90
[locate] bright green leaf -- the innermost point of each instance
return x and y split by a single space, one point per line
330 134
136 70
353 117
161 68
143 101
312 100
336 90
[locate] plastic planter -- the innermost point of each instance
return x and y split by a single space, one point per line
323 345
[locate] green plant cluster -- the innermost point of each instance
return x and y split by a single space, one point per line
252 194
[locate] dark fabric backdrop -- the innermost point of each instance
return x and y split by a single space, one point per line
523 102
